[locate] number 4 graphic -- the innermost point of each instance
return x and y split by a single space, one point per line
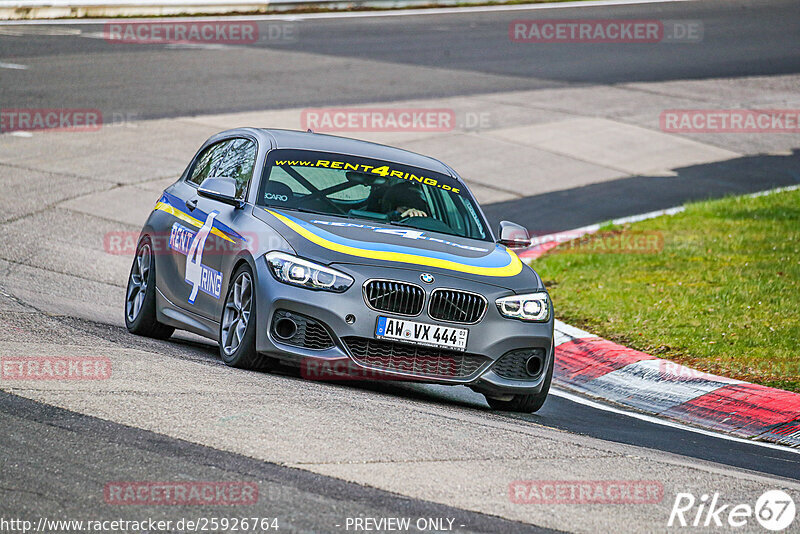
194 267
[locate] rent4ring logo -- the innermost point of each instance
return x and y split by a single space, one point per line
201 277
774 510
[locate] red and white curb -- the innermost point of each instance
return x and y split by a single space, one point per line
600 368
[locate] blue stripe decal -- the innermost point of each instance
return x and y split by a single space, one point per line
180 205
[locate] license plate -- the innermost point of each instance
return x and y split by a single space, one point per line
422 333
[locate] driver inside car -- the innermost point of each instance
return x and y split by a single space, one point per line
403 200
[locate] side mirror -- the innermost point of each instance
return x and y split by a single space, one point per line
513 235
221 189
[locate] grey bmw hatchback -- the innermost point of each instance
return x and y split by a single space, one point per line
348 259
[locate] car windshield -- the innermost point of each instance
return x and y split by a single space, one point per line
361 188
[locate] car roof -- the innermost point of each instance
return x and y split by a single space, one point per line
294 139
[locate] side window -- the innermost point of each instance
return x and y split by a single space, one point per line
208 162
233 158
238 164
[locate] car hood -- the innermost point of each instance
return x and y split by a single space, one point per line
341 240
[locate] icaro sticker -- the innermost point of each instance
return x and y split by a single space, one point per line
201 277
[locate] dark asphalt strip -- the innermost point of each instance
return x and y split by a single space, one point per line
581 206
55 463
604 425
586 420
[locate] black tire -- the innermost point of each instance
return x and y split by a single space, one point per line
244 354
142 287
527 403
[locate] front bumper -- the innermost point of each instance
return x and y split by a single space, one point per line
491 338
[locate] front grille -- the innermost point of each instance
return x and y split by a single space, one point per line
414 360
394 297
456 306
512 364
310 333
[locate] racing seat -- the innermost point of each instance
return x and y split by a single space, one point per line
375 198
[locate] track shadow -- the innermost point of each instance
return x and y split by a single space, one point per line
574 208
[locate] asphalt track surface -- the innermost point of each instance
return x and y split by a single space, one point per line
349 61
390 58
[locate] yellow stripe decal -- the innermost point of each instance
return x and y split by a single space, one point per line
511 269
162 206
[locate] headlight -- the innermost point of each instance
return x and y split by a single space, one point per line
299 272
531 307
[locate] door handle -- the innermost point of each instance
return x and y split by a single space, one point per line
191 204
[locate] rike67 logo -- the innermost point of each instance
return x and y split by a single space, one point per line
774 510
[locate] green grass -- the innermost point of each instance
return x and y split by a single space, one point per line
722 296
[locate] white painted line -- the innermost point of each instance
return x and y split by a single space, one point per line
565 333
21 134
649 215
568 235
357 14
773 191
558 392
14 66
